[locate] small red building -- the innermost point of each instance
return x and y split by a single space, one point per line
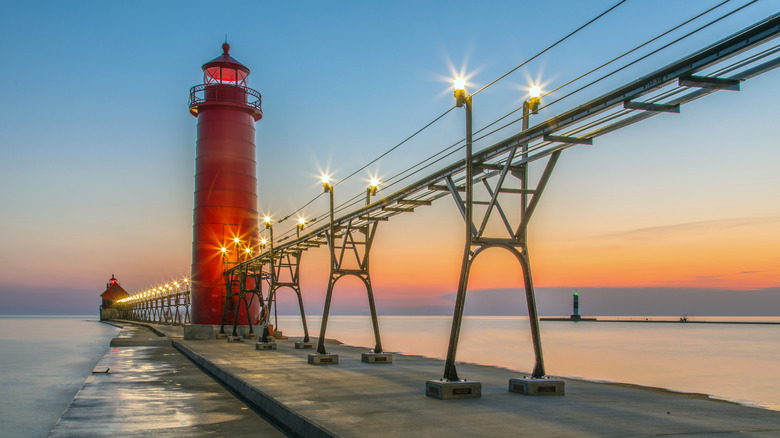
112 293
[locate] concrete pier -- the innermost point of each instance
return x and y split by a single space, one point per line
356 399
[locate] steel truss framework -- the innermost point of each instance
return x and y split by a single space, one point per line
354 242
241 286
169 307
665 90
283 271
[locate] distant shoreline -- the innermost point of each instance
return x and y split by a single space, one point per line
658 321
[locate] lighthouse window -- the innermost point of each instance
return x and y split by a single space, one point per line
221 75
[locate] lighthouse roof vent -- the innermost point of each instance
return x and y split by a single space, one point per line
225 70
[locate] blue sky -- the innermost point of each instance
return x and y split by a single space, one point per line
98 146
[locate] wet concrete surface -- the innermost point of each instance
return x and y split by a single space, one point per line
355 399
151 389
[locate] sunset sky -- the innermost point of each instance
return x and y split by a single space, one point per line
98 146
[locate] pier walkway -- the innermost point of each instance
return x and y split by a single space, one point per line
150 389
355 399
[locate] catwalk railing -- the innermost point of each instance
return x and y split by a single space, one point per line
663 90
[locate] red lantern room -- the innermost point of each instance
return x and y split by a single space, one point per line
225 218
225 70
224 82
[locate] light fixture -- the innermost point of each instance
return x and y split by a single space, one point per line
460 91
374 186
535 92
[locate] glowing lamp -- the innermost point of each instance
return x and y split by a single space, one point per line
535 92
326 183
267 221
460 91
236 240
374 186
223 249
301 223
460 83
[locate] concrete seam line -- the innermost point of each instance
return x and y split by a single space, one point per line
288 419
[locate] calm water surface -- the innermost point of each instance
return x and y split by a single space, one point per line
740 363
43 363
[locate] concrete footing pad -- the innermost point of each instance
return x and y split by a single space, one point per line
376 358
235 339
323 359
265 346
528 386
221 335
200 332
250 336
304 345
453 390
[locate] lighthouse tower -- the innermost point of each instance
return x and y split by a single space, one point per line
225 219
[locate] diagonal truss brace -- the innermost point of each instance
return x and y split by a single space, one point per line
284 271
348 259
514 241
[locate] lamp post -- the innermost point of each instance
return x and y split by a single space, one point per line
270 227
317 358
237 247
266 343
530 106
328 188
301 224
462 100
371 190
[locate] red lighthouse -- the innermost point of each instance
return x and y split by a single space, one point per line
225 219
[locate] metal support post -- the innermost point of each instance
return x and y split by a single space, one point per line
451 386
450 372
349 244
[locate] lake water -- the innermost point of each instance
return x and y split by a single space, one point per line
43 363
740 363
45 360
